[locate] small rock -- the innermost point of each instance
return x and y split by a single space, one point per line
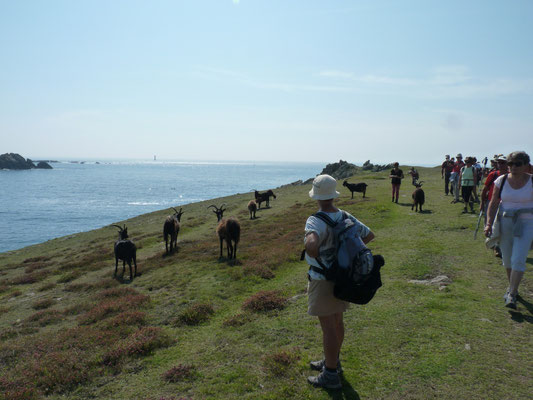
467 347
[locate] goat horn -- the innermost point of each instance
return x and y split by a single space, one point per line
212 205
119 227
175 210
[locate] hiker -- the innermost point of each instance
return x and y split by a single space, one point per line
515 201
467 182
445 171
486 194
396 176
414 175
319 243
454 176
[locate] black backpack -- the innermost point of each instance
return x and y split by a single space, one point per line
355 271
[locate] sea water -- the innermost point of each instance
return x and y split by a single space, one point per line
39 205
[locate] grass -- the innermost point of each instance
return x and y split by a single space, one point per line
192 326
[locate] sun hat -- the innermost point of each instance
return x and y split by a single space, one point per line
324 188
447 156
501 157
459 155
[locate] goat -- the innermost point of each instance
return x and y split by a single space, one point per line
356 187
230 231
171 228
218 211
126 251
418 197
252 207
265 196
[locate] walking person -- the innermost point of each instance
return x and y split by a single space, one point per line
320 249
512 199
454 176
488 188
445 171
467 182
396 176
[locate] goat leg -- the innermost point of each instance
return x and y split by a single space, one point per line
116 266
235 251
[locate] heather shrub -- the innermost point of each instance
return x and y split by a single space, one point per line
69 277
139 343
128 318
47 286
16 390
259 270
179 373
112 306
280 362
265 301
3 310
196 314
116 292
42 304
28 279
45 317
238 319
78 287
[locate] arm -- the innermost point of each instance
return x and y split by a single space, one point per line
312 244
368 238
491 212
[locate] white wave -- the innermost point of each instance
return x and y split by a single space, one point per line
145 203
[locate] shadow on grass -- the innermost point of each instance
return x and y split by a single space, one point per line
346 393
520 318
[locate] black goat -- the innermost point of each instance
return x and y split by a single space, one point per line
263 197
356 187
171 228
126 251
418 197
230 231
252 207
218 211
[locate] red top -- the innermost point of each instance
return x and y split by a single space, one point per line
457 166
489 182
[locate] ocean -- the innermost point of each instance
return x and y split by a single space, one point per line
39 205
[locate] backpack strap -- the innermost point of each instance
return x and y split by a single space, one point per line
325 217
503 183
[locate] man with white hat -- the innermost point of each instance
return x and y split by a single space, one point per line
319 243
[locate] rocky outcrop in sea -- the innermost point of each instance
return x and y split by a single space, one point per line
16 161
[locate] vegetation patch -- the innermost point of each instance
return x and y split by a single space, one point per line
134 318
47 286
141 342
28 279
265 301
259 270
196 314
280 362
238 319
179 373
45 317
65 278
42 304
113 306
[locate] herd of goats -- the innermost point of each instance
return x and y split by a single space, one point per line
228 230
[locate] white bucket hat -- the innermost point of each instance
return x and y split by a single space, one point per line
324 188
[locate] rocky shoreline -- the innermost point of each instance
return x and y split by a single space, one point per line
15 161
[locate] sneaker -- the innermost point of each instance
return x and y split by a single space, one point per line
510 301
507 293
326 380
320 364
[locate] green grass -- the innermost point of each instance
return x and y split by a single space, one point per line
195 326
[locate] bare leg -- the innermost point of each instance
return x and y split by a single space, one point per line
330 340
516 277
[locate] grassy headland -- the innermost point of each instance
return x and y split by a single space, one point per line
194 326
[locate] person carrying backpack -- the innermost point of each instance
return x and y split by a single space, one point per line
320 248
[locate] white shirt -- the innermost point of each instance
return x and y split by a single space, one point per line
516 199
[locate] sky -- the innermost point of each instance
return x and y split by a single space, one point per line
258 80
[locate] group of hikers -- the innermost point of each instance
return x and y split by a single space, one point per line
506 201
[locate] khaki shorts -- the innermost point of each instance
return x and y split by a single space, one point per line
321 301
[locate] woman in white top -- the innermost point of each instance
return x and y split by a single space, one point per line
515 201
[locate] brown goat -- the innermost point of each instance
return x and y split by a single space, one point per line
230 231
263 197
171 228
418 197
252 207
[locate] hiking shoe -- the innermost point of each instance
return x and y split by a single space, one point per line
510 301
507 292
320 364
326 380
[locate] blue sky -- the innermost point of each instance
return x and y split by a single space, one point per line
406 81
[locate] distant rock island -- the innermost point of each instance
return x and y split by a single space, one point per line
16 161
